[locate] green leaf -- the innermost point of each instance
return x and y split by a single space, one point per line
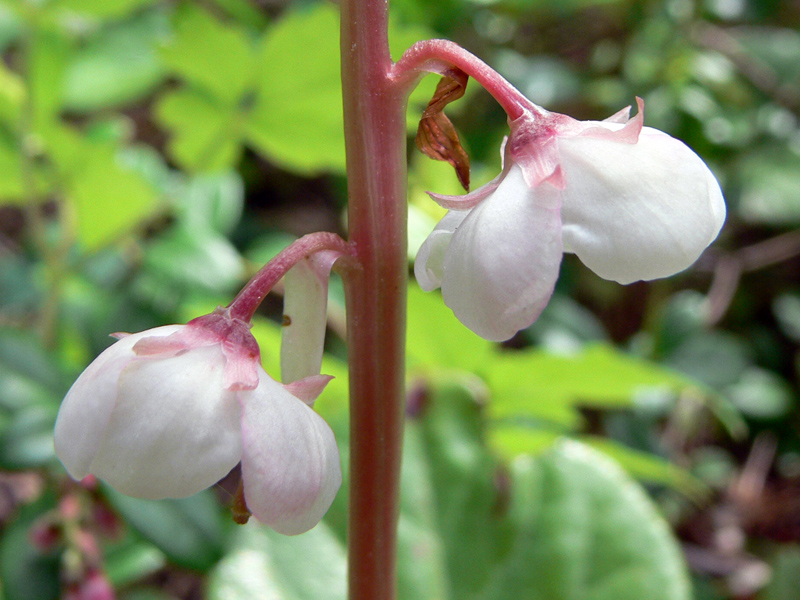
214 202
541 385
190 531
47 61
421 571
195 258
649 467
102 9
212 55
585 531
264 565
466 498
436 339
205 135
118 65
108 198
297 118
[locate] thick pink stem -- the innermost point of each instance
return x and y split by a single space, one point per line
437 56
375 135
244 306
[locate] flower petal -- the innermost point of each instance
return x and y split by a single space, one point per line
637 211
87 407
290 461
502 263
305 319
428 264
174 430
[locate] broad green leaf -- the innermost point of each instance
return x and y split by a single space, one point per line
585 531
215 56
435 338
264 565
47 60
421 569
213 201
297 118
118 65
649 467
12 95
102 9
190 531
466 495
205 134
108 198
193 258
541 385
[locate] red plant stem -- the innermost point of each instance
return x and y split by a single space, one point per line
244 306
375 136
437 56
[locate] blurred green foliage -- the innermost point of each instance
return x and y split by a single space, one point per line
154 153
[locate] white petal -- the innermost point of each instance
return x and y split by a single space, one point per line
305 305
290 462
87 407
428 264
174 430
502 262
637 211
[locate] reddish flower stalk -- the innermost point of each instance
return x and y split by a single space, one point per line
439 56
244 306
375 136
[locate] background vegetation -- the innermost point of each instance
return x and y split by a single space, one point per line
154 153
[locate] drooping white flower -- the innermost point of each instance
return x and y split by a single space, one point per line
170 411
630 201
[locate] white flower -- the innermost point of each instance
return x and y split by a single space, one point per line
168 412
631 202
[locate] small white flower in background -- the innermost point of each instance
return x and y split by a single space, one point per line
170 411
630 201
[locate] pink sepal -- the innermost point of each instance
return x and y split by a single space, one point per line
119 335
309 388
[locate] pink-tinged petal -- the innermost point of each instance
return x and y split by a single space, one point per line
609 130
466 201
290 461
87 407
309 388
428 264
502 262
241 351
174 430
621 116
305 319
638 211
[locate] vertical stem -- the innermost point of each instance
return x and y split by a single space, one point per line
375 135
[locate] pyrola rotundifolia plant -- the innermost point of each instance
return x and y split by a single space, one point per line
170 411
